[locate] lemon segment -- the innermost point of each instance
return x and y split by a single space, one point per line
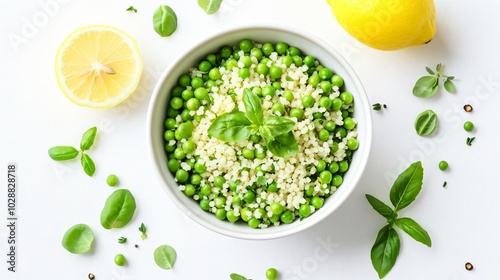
98 66
387 24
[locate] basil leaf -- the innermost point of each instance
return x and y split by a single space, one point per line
385 250
382 208
407 186
235 276
266 133
165 256
210 6
449 86
426 86
278 125
164 21
78 239
283 145
230 127
253 107
60 153
426 123
118 209
88 139
430 71
414 230
88 165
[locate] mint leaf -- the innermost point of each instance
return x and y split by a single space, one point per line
426 86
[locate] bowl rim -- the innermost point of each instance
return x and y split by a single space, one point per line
362 100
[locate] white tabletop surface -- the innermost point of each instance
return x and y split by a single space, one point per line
462 219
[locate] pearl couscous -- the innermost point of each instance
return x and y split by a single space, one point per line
246 180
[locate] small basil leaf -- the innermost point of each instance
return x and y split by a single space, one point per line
210 6
426 86
449 86
407 186
63 153
414 230
118 209
88 165
430 71
278 125
426 123
165 256
385 250
88 139
253 107
438 67
382 208
78 239
283 145
230 127
266 133
235 276
164 21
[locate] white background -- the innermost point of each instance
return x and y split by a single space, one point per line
462 219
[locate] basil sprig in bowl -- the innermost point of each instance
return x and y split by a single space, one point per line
276 134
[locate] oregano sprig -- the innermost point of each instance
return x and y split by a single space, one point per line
60 153
427 86
237 126
405 189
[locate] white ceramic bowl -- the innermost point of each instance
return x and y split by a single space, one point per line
308 44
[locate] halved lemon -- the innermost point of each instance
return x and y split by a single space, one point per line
98 66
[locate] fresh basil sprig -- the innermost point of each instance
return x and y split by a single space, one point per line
405 189
60 153
427 86
237 126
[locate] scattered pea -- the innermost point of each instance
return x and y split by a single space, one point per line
468 126
443 165
120 260
112 180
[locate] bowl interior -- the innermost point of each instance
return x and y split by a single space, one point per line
308 44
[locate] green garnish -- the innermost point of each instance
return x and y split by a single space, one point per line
235 276
78 239
470 140
60 153
165 256
426 122
377 106
444 184
427 86
142 229
122 240
210 6
405 189
131 9
164 21
237 126
118 209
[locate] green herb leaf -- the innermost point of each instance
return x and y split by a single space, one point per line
210 6
87 164
438 67
426 86
429 71
142 229
426 122
253 107
261 181
118 209
377 106
60 153
449 86
78 239
122 240
278 125
131 9
164 21
385 250
165 256
88 138
414 230
283 145
382 208
469 141
230 127
235 276
407 186
266 133
444 184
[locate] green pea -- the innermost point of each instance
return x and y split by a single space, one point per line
170 148
288 95
246 45
182 175
205 66
309 191
220 201
197 82
261 155
308 101
246 60
267 49
170 123
325 86
176 92
352 144
262 69
220 214
276 85
244 214
317 202
341 131
309 61
176 103
249 197
296 113
179 153
184 80
172 113
185 130
346 97
257 53
219 181
118 209
273 187
189 190
304 210
195 179
276 208
334 147
169 135
205 190
287 217
230 216
287 60
333 167
186 116
231 63
325 177
297 60
278 109
253 223
349 123
255 138
205 204
201 93
268 90
274 218
321 165
275 72
120 260
313 80
323 135
329 125
214 74
271 274
244 73
325 74
343 166
193 104
173 165
337 104
226 52
281 48
212 58
318 115
325 102
337 180
248 153
337 81
443 165
112 180
468 126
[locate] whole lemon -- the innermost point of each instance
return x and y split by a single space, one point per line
387 24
